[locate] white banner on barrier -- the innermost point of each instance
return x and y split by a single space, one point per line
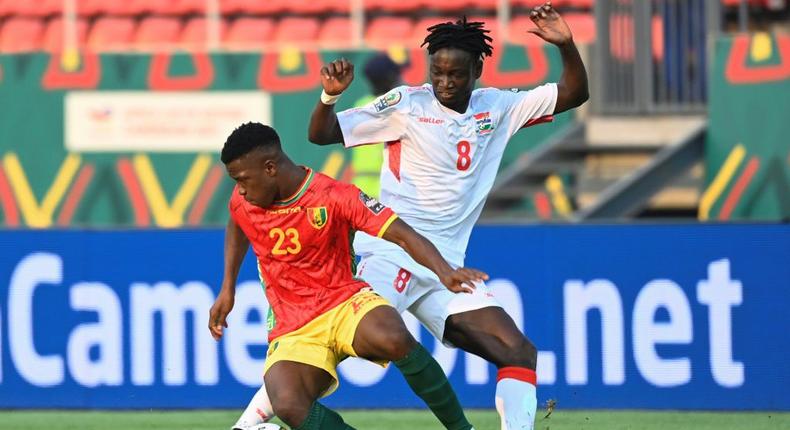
120 121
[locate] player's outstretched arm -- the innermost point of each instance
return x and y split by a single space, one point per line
459 280
236 245
572 88
335 78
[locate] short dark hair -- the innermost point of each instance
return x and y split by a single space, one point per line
464 35
245 138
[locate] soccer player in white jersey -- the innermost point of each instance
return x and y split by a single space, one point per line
445 143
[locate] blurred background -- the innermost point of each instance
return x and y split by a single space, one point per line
641 240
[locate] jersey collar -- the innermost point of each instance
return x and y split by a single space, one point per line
302 188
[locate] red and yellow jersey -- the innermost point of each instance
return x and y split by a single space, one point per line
303 245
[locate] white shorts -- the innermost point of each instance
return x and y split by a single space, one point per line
409 286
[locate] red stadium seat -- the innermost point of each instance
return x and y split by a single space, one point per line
109 7
396 6
194 37
336 32
54 39
384 32
21 35
293 29
249 33
255 7
307 6
421 27
582 25
518 33
111 34
155 31
38 8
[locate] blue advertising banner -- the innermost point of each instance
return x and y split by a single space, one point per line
681 317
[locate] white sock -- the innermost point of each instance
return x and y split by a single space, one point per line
259 410
516 398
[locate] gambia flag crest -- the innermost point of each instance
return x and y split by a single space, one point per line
317 217
484 124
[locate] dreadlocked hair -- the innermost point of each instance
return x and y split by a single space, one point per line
464 35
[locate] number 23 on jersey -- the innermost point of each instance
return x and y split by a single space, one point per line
287 241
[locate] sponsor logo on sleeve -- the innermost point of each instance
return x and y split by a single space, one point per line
387 100
372 204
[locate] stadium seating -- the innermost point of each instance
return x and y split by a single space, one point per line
421 26
21 35
194 36
336 32
249 33
53 35
157 32
111 34
296 30
386 31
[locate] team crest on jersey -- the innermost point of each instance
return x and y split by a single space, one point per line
374 205
483 123
387 100
317 217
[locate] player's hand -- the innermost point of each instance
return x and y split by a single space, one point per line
218 312
549 25
462 280
337 76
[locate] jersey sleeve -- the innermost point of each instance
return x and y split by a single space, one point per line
382 120
526 108
364 213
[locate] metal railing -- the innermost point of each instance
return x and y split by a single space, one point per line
651 56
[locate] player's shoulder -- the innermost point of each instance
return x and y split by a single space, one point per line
402 97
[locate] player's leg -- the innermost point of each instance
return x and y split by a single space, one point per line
258 411
491 334
476 323
381 335
294 389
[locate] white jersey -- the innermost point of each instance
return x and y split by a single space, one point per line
439 165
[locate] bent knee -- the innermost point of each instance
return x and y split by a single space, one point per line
291 407
521 353
396 345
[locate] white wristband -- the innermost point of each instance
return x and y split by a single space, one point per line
327 99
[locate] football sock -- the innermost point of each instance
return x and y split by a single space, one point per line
259 410
516 398
427 379
322 418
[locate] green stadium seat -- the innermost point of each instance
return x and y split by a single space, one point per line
21 35
111 34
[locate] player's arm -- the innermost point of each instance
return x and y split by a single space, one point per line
424 252
324 128
572 88
236 245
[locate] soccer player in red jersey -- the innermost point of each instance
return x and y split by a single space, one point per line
300 225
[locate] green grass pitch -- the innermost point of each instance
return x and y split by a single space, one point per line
399 419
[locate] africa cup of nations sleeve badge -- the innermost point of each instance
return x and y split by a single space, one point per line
387 100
